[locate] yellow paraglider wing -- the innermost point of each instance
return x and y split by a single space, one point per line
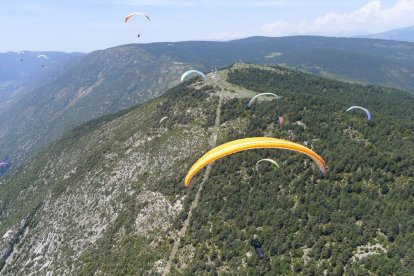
247 144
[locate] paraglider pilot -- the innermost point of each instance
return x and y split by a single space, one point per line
257 244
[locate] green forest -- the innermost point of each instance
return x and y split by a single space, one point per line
357 219
311 223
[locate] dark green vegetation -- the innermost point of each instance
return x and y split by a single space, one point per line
110 80
365 198
388 63
107 197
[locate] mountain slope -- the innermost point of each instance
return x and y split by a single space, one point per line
101 83
109 198
20 72
26 64
402 34
381 62
110 80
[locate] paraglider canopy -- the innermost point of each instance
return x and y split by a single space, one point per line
162 119
267 160
4 166
248 144
192 72
129 16
43 56
362 108
263 94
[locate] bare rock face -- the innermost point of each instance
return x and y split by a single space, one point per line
110 181
156 213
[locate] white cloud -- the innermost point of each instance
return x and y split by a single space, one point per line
370 18
278 28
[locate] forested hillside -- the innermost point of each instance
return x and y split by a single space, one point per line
109 198
68 94
355 219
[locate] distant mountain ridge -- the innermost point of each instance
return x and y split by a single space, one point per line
23 70
23 64
402 34
107 81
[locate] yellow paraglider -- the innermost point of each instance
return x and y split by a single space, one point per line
248 144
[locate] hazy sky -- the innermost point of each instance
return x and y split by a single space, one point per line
87 25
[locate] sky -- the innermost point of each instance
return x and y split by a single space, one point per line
88 25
